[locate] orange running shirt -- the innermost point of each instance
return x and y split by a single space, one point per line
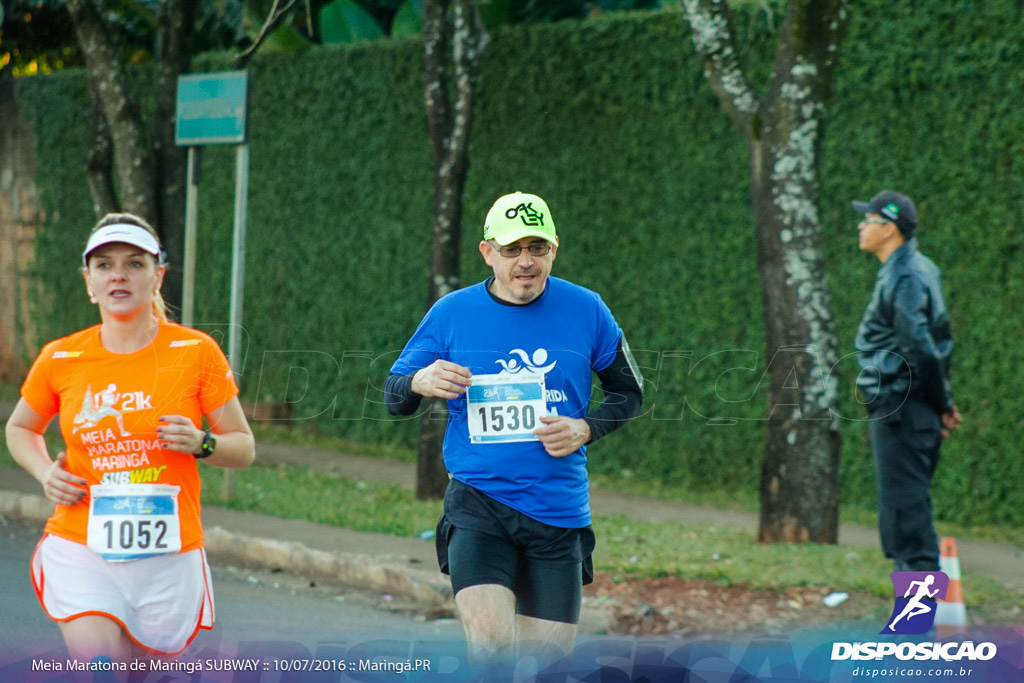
110 406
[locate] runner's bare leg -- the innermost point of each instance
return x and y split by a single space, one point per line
488 614
91 636
545 641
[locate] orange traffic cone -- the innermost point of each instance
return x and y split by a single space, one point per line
950 614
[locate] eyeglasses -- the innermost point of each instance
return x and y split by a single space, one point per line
879 221
514 250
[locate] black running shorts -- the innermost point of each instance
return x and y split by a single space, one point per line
481 541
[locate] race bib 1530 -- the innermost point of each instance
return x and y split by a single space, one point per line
505 408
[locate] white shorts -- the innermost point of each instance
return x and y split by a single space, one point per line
161 602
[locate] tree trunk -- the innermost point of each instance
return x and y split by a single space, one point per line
133 160
100 166
448 123
431 474
800 466
150 170
176 21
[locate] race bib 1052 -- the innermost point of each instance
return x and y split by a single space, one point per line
133 521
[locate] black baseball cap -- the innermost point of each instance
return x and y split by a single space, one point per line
894 206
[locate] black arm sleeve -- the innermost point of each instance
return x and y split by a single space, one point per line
398 395
623 388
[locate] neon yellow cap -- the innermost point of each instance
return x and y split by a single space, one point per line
518 215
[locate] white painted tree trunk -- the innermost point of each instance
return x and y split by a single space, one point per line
782 130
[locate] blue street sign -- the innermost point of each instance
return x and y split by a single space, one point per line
212 109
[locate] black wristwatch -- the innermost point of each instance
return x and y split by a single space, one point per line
209 445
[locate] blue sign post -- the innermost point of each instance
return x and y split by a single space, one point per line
212 109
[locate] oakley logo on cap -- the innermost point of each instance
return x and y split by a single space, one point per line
527 214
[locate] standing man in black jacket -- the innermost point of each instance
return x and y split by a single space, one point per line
904 344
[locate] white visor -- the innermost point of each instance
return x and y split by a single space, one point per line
125 233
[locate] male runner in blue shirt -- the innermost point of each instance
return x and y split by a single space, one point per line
514 355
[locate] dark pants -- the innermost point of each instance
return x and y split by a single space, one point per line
483 541
906 447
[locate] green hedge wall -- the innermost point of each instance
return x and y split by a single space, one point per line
612 122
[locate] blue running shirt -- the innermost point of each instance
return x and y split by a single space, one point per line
566 334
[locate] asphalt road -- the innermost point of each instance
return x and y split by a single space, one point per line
260 614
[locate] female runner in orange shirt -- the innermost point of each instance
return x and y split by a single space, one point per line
121 566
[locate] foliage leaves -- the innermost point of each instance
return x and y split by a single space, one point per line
408 19
344 21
